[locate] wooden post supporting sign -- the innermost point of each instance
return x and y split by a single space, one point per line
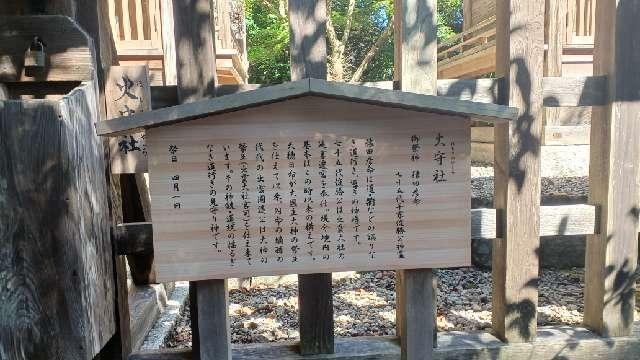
196 77
307 28
416 61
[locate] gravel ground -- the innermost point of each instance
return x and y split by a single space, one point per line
364 304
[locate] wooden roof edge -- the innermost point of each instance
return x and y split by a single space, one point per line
184 112
413 101
266 95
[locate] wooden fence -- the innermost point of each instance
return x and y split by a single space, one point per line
518 220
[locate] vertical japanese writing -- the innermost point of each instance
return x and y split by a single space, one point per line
452 158
439 156
339 183
277 198
371 196
415 172
175 179
400 230
355 185
244 196
261 203
293 202
214 228
324 194
229 207
308 199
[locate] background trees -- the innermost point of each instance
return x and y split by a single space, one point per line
359 38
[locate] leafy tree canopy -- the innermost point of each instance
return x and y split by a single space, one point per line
359 38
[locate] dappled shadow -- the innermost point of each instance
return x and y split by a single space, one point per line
195 46
307 41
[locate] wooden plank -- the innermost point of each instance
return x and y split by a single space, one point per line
416 46
168 44
56 250
434 236
415 69
611 256
482 134
196 77
137 238
555 28
68 52
138 4
477 90
126 19
127 92
195 49
413 101
578 91
519 59
213 322
567 135
554 342
308 49
307 31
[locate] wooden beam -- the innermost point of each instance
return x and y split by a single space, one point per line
195 49
519 59
558 91
567 135
555 28
578 91
58 291
415 69
137 238
307 31
196 79
489 91
611 256
554 342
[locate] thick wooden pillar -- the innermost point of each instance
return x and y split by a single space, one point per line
416 70
196 77
307 29
519 59
613 172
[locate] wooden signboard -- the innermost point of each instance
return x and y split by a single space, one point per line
128 93
307 185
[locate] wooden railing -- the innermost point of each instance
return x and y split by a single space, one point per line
136 26
469 41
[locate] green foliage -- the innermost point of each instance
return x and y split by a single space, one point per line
268 42
268 36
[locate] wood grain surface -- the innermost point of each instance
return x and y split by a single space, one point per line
57 282
127 92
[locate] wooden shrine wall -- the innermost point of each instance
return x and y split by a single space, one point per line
272 190
57 287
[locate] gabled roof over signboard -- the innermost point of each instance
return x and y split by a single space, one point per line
306 87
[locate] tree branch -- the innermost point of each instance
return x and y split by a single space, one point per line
347 27
331 30
373 50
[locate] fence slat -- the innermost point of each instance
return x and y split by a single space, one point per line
137 238
611 255
307 31
519 59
